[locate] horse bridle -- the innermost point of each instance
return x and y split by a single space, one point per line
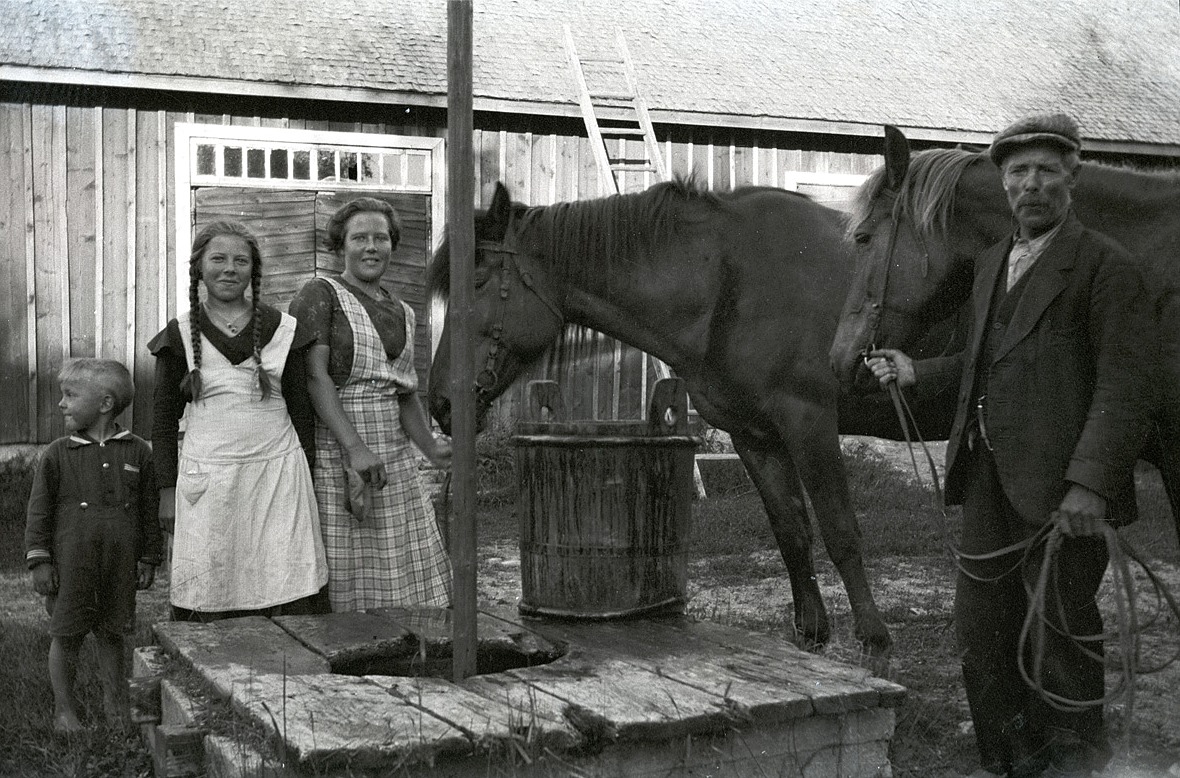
877 300
489 376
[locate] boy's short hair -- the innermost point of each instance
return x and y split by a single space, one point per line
110 374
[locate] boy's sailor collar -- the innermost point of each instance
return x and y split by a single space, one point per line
77 440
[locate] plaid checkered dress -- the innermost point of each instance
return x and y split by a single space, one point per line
396 556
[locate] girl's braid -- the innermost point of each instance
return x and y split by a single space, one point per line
255 292
192 379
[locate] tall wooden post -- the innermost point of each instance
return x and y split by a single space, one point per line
461 233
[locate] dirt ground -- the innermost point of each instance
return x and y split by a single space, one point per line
915 595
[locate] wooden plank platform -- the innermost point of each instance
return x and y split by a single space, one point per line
665 696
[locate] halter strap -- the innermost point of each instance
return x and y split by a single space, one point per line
486 379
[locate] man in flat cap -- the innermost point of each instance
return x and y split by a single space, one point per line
1052 410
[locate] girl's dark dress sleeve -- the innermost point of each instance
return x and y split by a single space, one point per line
169 402
299 406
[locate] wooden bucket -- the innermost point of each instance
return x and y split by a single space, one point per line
605 508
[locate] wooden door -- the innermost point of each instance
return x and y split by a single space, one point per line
291 226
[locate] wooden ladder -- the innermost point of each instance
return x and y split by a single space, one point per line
611 92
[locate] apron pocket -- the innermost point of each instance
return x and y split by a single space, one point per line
192 486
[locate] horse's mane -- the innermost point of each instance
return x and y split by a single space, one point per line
584 237
927 193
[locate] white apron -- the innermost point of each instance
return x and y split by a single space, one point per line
247 527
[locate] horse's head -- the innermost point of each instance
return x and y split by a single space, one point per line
910 273
516 310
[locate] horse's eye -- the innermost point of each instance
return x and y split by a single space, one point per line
863 238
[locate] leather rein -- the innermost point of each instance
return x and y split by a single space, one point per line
489 376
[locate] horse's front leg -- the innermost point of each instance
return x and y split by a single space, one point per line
773 473
811 434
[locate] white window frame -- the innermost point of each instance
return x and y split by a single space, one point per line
190 135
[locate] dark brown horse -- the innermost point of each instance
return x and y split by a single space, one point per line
920 221
738 293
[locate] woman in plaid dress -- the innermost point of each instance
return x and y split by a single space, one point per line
382 543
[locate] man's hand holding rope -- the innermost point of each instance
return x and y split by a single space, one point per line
1082 513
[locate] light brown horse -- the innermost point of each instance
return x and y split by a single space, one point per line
738 292
920 221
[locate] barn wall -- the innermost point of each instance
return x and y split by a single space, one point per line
87 218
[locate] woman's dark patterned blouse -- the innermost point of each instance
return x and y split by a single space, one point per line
317 309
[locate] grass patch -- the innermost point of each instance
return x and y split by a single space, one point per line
28 745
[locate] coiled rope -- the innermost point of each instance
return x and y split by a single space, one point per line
1128 627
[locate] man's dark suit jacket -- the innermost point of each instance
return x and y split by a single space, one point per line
1069 387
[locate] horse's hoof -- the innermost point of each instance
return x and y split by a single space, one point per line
877 646
812 640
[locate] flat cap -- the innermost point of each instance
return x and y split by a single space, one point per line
1056 129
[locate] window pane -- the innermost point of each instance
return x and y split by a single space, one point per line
278 163
416 174
206 160
326 159
255 163
233 161
348 170
369 169
303 165
392 172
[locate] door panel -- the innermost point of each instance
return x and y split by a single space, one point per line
291 227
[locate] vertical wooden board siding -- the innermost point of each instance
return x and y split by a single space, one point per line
542 184
163 190
743 165
518 175
590 183
172 250
147 264
840 162
790 160
15 287
702 161
637 180
51 303
681 164
567 169
490 171
115 168
283 222
80 172
767 166
722 160
477 166
864 164
129 277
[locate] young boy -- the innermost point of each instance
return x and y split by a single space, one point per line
92 536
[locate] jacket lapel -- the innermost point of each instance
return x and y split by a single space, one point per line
1048 277
987 271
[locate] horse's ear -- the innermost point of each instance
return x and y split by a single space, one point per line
897 155
499 213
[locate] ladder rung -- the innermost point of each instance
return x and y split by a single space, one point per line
630 161
633 168
611 96
637 132
609 60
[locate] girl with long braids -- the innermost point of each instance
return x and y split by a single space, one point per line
383 545
237 493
